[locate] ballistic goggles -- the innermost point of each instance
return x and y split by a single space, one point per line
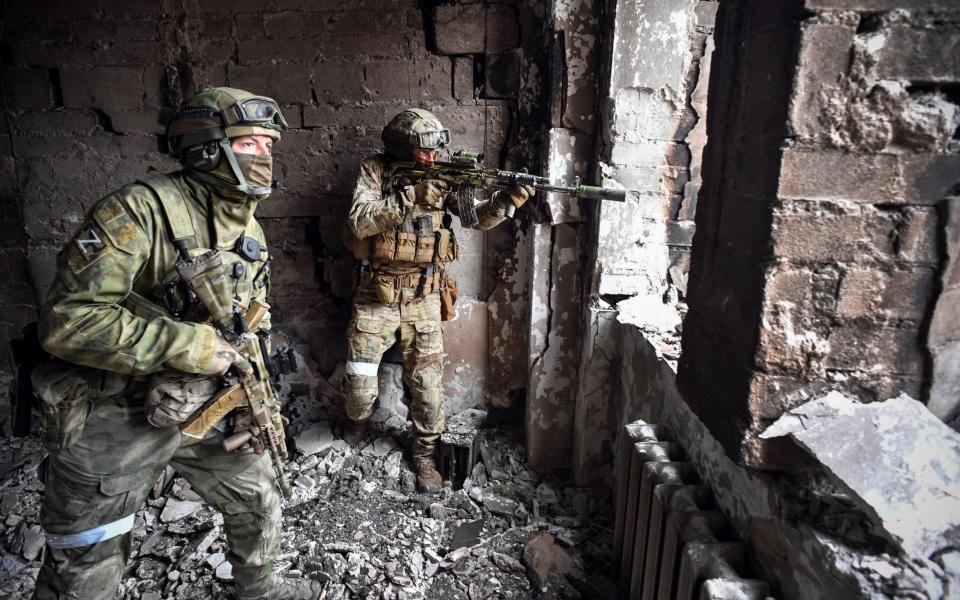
430 140
257 111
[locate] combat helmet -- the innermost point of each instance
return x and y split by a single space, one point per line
199 134
411 129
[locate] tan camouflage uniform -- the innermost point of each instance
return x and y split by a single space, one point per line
411 319
104 455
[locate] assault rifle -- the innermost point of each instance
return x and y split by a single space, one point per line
246 385
465 174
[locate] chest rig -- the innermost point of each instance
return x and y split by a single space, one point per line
246 264
422 239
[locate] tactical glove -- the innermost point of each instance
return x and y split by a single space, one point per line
519 194
212 356
173 397
430 192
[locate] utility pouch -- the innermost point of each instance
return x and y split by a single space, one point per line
406 246
66 392
425 245
441 245
447 248
385 246
448 299
385 287
360 248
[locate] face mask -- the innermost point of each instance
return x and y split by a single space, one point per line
257 170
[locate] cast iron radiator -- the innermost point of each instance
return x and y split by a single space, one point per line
670 542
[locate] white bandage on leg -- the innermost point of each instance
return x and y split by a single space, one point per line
90 536
359 368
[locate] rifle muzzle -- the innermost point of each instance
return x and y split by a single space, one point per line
599 193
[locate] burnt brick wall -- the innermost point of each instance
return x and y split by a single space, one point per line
833 134
85 85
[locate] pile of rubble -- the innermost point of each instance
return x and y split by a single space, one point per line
355 522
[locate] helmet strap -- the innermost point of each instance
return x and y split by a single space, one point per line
226 152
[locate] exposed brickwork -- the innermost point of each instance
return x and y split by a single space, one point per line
85 86
818 259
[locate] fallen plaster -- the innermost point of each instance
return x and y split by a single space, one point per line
898 460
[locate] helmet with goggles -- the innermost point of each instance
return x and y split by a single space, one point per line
199 134
414 129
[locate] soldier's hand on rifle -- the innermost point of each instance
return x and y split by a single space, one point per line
519 194
429 192
226 356
216 356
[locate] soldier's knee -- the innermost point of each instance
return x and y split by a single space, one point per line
91 572
426 375
359 389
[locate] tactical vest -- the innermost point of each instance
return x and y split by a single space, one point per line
423 238
247 264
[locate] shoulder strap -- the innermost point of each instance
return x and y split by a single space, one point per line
174 208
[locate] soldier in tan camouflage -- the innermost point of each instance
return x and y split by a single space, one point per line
401 235
135 357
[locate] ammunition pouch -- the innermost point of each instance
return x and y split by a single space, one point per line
66 392
172 397
448 298
431 248
387 287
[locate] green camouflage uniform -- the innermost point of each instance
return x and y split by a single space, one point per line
102 313
412 319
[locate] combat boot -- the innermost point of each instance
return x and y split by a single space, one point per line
354 432
252 584
428 477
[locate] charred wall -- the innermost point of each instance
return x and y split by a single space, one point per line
85 88
820 235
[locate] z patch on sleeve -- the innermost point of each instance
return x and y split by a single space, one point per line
86 248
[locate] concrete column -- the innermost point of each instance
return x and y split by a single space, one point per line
832 140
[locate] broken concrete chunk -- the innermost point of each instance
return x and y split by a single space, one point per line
33 541
174 509
500 505
392 465
216 559
315 438
467 534
390 394
545 559
505 562
224 571
912 459
383 446
462 427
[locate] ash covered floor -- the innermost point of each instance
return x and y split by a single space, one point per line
356 524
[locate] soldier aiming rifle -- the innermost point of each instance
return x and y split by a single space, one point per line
399 229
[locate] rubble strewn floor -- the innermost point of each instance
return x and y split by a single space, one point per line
356 524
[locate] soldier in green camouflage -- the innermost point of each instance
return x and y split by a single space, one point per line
136 357
400 233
